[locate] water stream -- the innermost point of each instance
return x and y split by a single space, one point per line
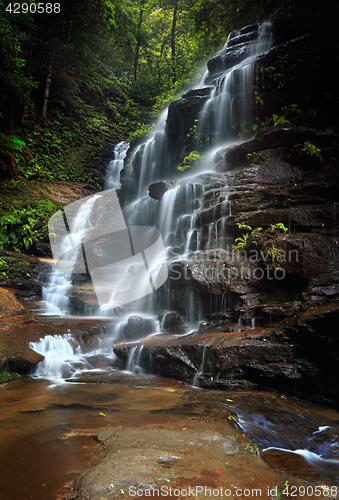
178 216
47 437
293 439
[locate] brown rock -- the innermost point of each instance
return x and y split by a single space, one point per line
9 305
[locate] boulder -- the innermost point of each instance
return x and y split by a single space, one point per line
9 305
158 189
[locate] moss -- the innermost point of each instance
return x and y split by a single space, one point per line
6 375
189 161
15 267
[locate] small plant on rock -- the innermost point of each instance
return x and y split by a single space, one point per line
189 161
276 228
306 153
242 240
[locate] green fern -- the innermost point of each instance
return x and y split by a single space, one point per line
11 153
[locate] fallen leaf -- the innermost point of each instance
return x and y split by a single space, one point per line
218 471
184 428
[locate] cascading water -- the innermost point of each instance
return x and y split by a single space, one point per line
197 376
65 358
114 168
229 108
270 429
55 294
189 228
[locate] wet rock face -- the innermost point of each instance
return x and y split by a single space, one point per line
316 333
182 114
173 322
22 274
158 189
9 306
136 328
238 48
232 357
270 187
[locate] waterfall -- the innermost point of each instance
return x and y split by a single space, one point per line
229 109
176 208
147 162
114 168
66 359
190 229
199 373
139 361
62 357
55 294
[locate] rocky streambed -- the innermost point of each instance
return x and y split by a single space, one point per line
136 434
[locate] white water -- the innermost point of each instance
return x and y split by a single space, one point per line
229 106
116 165
196 379
178 214
327 467
151 156
55 294
64 357
138 361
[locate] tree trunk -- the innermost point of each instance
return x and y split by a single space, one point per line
48 85
174 24
137 48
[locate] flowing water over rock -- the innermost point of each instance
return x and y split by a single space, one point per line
65 358
180 213
193 210
115 166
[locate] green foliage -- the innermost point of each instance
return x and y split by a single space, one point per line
242 127
306 153
277 228
11 153
283 493
22 227
242 241
6 375
243 226
143 129
8 264
15 32
280 120
275 74
256 230
193 132
253 448
189 161
273 254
